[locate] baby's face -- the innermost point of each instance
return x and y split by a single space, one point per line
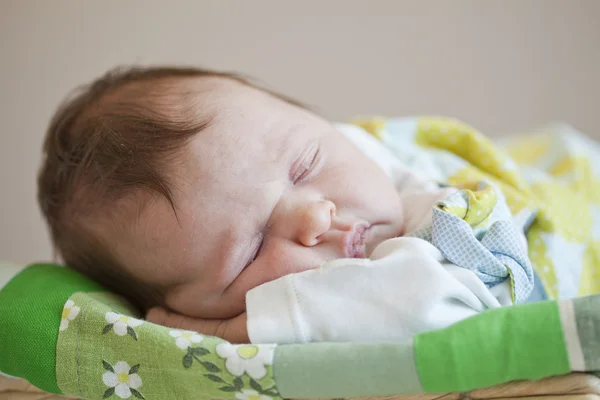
266 190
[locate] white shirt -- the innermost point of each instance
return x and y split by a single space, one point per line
404 288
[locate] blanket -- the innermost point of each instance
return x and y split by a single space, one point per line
549 176
79 340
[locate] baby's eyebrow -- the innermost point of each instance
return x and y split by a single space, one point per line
287 143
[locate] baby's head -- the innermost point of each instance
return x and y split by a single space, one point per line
186 188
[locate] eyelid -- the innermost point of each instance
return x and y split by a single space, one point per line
306 163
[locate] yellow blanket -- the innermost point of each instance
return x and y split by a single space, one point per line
551 174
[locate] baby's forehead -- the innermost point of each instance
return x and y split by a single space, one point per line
184 98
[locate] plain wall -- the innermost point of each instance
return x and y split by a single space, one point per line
499 65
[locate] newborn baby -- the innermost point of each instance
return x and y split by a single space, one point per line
187 190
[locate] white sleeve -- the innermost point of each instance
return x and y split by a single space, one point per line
402 290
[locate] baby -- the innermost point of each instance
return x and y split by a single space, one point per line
232 210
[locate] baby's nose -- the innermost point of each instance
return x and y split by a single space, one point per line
315 219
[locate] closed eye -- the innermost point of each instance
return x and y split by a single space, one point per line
309 162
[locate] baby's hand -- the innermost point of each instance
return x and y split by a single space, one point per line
233 329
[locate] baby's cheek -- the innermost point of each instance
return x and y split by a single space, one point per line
292 258
285 259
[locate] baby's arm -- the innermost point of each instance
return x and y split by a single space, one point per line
403 290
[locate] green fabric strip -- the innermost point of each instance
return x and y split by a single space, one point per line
501 345
105 354
70 345
30 310
345 369
572 343
8 271
587 317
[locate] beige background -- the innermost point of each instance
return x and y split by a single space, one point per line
500 65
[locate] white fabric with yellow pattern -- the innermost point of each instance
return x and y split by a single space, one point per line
552 173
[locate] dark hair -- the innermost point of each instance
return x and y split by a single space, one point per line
109 141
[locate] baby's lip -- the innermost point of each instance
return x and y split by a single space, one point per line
355 241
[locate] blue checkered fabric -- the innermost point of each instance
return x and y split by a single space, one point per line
494 255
